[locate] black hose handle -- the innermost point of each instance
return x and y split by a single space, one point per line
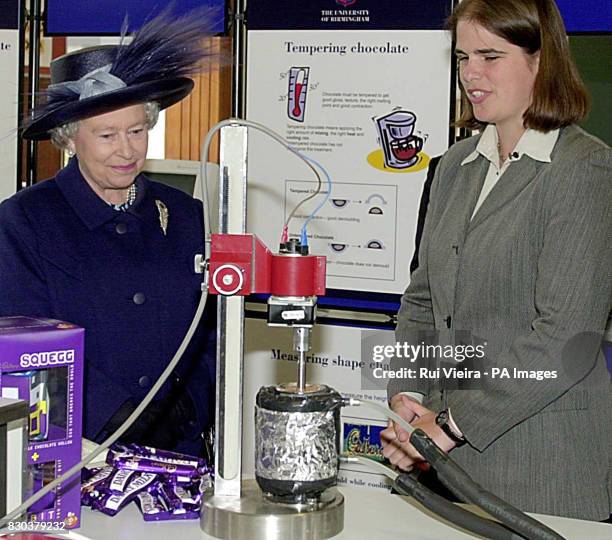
462 485
409 485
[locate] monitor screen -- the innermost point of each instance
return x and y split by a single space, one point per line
179 174
586 16
185 175
105 17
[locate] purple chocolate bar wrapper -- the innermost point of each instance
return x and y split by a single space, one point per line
206 483
167 456
183 481
185 495
116 451
196 489
110 503
119 453
167 516
149 504
119 480
86 473
92 487
141 464
154 507
170 498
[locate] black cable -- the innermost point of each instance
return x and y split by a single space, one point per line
409 485
462 485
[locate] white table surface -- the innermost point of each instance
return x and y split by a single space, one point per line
368 515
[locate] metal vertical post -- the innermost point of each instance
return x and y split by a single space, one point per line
20 92
230 319
34 64
239 50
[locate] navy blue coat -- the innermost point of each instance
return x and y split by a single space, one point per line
66 254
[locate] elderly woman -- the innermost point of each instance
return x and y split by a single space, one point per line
102 246
516 251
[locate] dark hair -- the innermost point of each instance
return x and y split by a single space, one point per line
559 95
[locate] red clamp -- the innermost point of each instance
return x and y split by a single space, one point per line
241 264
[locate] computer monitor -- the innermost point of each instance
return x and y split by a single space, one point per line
180 174
185 175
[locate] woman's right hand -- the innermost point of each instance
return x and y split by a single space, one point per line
394 437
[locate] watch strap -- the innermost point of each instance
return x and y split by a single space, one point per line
442 422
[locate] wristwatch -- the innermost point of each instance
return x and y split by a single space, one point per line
442 421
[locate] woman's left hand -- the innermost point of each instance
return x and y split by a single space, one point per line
425 420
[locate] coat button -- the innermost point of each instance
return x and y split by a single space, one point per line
139 298
144 381
121 228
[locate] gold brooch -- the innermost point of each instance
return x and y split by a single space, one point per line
163 215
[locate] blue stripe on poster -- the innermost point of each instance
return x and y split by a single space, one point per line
348 14
586 15
9 14
104 17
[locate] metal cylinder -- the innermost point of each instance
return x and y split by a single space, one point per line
301 344
296 441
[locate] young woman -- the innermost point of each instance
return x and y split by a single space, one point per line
516 252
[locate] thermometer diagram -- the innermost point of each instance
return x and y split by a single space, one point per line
298 87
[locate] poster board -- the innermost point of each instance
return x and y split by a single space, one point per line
9 95
368 101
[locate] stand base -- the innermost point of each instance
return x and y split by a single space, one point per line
254 517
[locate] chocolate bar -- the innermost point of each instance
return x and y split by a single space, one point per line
142 464
110 503
119 480
91 488
154 507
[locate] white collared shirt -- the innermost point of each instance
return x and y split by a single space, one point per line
535 144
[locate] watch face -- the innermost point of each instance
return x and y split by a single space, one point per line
442 418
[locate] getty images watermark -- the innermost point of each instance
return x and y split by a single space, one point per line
461 361
424 360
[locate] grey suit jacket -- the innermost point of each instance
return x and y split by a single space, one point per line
529 276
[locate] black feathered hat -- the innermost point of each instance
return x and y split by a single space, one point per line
154 66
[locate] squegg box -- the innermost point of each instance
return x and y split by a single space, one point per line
41 362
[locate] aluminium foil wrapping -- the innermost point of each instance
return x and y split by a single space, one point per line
295 446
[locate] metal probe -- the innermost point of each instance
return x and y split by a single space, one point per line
301 344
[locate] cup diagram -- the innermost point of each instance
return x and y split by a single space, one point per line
399 145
